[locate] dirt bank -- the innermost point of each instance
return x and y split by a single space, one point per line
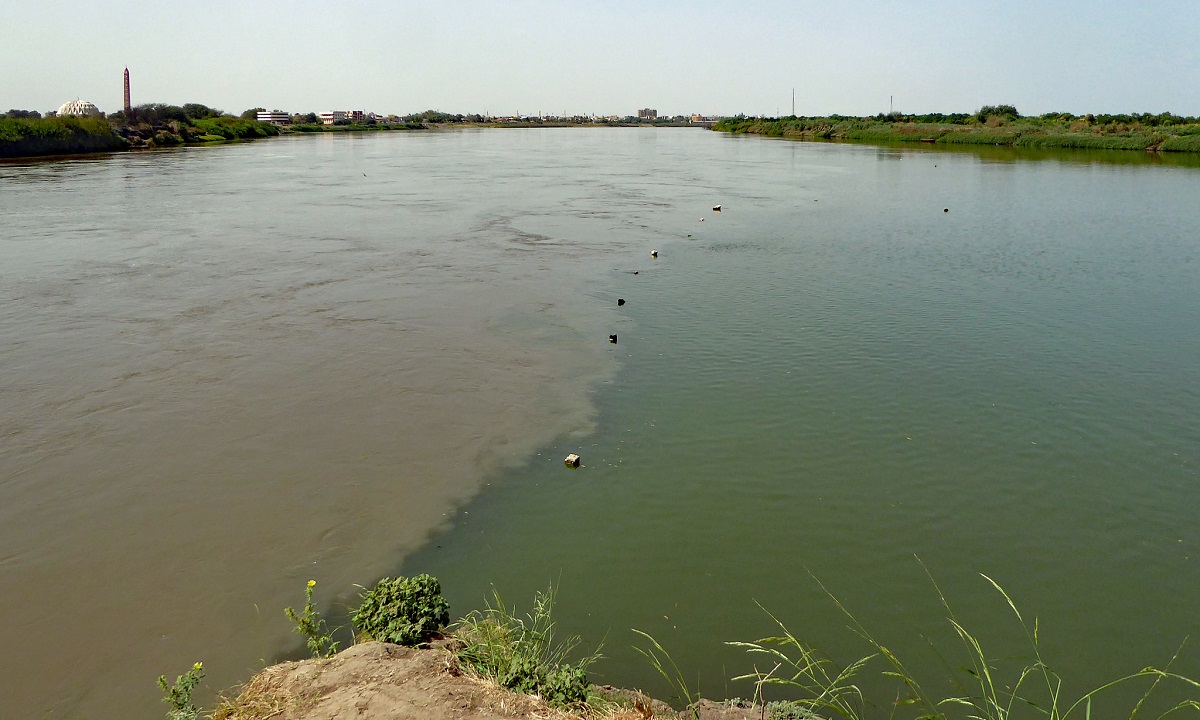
379 681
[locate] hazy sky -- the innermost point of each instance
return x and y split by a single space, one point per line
610 57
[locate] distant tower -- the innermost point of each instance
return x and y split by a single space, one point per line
128 107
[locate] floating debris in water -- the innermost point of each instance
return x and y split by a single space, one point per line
612 339
716 208
620 302
571 461
653 253
945 210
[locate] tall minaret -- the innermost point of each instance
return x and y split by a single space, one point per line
128 107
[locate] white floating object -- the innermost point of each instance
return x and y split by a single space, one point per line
572 461
653 253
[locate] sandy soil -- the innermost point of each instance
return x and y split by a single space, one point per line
380 681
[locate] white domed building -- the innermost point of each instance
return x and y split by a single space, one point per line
79 108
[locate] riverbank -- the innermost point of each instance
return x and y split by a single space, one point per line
383 681
31 137
38 137
495 663
1091 132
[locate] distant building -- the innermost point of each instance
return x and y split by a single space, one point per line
79 108
648 114
334 116
275 117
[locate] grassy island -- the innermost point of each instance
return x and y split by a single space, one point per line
993 125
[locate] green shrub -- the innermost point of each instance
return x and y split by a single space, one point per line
179 695
162 138
406 611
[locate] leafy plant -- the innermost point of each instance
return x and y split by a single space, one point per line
179 695
310 624
521 654
406 611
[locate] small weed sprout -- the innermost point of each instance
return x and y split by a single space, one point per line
521 653
405 611
179 695
310 624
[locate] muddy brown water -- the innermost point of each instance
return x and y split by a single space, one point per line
228 370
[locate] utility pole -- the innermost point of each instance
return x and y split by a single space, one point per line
793 102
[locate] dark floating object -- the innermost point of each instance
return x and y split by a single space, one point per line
635 272
945 210
620 302
612 339
716 208
571 461
653 253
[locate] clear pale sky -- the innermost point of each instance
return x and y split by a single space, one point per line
608 57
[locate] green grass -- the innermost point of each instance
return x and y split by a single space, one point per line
988 687
1089 141
1183 143
664 664
522 654
981 136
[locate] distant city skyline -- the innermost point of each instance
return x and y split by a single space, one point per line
613 57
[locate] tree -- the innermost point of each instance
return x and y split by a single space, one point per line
1008 112
252 113
310 117
21 114
196 111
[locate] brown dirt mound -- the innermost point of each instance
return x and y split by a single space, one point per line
380 681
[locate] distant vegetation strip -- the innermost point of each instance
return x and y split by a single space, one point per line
26 134
994 125
21 137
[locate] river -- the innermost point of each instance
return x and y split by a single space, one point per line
228 370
